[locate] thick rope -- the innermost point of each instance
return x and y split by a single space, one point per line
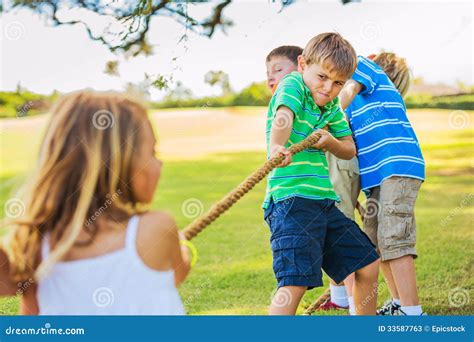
318 302
232 197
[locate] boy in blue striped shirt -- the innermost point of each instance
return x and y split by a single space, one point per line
391 170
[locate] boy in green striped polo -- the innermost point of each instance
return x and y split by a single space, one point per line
307 231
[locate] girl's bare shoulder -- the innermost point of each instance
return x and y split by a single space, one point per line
156 238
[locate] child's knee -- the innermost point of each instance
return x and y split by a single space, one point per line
290 293
369 271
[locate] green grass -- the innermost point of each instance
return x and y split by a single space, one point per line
233 274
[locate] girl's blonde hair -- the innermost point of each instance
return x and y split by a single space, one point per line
84 166
396 69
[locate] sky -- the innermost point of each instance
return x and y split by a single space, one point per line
436 38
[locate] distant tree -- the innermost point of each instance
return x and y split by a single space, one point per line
219 78
111 68
256 94
180 92
129 21
418 80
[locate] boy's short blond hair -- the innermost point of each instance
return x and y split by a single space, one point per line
333 48
396 69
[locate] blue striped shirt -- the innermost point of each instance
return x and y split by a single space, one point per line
386 142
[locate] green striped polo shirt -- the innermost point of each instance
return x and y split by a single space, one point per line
307 176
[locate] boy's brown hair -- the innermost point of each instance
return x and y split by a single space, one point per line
290 52
396 69
331 47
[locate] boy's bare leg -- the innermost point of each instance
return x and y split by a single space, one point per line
349 283
286 300
403 271
388 276
365 289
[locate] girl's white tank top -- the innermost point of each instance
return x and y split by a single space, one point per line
116 283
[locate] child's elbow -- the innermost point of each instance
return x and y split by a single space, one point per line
181 274
180 277
349 152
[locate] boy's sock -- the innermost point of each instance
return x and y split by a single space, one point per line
352 308
339 295
414 310
396 301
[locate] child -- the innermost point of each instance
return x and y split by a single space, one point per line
280 62
391 170
342 173
307 230
82 239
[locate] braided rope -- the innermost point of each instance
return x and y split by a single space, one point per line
318 302
232 197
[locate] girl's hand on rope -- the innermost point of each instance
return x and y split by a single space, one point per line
184 248
326 140
277 150
181 236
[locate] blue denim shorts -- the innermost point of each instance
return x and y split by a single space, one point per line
307 235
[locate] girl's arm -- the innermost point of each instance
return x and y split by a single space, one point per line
181 259
159 246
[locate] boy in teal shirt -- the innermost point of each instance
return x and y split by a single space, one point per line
308 231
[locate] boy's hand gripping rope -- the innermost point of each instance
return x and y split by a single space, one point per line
232 197
195 227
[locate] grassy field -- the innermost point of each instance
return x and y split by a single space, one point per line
233 273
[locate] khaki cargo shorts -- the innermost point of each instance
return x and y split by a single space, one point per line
344 176
390 218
